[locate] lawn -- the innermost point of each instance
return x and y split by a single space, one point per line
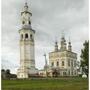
46 84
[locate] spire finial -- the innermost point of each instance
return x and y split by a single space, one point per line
55 42
26 6
69 39
26 3
55 39
69 45
63 34
56 45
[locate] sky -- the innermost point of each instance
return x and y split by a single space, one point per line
49 19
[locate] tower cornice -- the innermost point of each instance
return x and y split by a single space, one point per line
24 30
26 12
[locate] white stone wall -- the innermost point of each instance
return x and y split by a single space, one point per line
64 56
27 54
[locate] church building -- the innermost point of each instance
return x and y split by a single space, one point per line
63 59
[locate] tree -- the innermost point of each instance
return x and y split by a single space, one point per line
2 70
3 74
7 71
8 75
85 57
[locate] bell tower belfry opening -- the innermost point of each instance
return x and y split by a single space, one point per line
27 49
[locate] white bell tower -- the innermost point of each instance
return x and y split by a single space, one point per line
27 50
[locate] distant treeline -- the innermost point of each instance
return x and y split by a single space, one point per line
5 74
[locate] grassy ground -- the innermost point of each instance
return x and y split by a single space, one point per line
46 84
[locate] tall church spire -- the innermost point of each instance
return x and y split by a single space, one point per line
56 46
26 7
26 17
63 43
27 46
69 45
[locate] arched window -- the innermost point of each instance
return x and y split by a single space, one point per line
29 22
30 35
69 72
68 62
57 63
52 64
26 35
62 63
23 22
72 63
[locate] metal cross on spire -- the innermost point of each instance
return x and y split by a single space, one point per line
55 38
63 33
69 39
26 6
26 3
